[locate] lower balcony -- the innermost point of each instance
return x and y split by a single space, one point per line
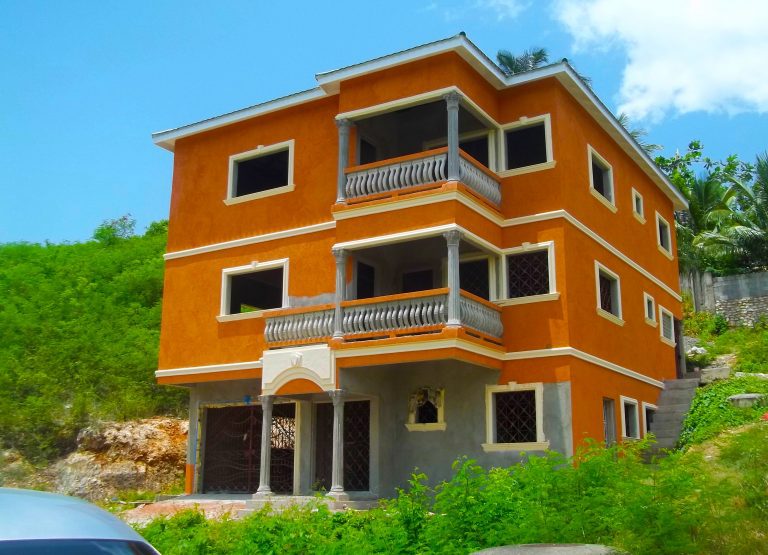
416 313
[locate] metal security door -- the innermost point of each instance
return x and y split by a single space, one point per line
357 445
232 450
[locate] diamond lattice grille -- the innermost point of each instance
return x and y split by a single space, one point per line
357 445
515 416
528 274
473 277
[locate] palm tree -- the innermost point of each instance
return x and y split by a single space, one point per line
511 64
638 134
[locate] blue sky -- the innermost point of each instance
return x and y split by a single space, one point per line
83 84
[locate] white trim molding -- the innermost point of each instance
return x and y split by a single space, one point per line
523 122
258 152
629 401
639 215
663 312
273 236
666 252
226 287
491 444
608 179
525 248
212 368
649 319
616 318
646 408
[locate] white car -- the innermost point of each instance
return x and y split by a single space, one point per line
39 523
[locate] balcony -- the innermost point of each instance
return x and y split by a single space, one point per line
391 316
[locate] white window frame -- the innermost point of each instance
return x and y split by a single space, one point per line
438 426
257 152
646 407
525 121
668 340
227 273
552 295
490 444
639 216
592 154
629 401
662 250
652 321
615 318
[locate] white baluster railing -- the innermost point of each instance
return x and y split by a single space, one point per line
478 316
397 175
479 181
396 314
300 326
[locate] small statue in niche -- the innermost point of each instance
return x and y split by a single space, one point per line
424 404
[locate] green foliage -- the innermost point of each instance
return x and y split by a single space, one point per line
711 412
79 327
705 324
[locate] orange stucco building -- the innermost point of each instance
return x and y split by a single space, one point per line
419 259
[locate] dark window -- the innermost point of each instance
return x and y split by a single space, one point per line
419 280
528 274
649 415
515 413
601 179
609 291
664 240
638 204
650 312
261 173
256 291
366 278
367 152
477 148
473 278
630 420
609 422
426 413
667 325
526 146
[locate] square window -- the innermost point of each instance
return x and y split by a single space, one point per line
528 274
630 424
650 309
667 328
601 178
526 146
246 291
663 234
514 419
608 292
474 277
638 206
260 172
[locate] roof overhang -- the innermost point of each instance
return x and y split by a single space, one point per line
330 82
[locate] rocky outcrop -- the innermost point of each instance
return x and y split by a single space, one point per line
144 454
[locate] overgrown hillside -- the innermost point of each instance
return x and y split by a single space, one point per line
79 326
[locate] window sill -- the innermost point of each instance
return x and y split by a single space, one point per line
531 299
260 194
638 217
241 316
630 438
528 169
501 447
611 317
665 252
431 427
652 323
669 342
608 204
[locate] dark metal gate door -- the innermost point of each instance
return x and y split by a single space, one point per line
283 447
357 445
232 450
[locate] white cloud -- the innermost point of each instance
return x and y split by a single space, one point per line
504 9
457 10
682 56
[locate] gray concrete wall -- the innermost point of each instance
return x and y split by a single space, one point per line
401 451
742 298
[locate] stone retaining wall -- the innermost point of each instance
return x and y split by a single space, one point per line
742 299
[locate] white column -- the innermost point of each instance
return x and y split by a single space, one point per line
266 444
337 466
452 103
453 238
341 286
344 125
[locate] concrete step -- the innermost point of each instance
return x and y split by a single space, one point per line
673 407
669 417
675 397
685 383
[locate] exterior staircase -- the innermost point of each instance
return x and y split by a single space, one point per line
672 406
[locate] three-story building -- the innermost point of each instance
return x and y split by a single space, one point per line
419 259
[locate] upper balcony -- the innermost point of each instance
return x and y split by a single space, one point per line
417 148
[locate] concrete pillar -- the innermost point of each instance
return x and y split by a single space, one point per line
337 466
344 125
266 445
192 439
453 239
341 286
452 103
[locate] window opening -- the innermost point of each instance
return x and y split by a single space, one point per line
515 416
366 278
609 422
602 178
631 427
477 148
261 173
528 274
417 280
474 277
650 414
526 146
253 291
665 240
608 291
667 324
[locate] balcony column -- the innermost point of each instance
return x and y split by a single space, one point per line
337 464
266 445
344 126
341 287
453 238
452 101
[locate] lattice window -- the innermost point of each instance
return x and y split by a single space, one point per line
528 274
357 445
515 416
474 277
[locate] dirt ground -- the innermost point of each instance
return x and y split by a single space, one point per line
213 508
